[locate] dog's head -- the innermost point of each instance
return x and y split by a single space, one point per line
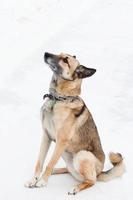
67 67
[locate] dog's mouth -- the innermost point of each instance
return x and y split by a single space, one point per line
53 67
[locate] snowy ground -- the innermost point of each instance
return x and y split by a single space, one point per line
100 33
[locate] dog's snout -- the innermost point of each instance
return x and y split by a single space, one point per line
46 56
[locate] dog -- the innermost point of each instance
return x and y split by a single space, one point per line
67 121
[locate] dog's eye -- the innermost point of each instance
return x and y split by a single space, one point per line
74 56
65 60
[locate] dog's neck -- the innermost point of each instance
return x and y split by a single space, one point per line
63 87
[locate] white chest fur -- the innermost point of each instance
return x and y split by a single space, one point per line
48 118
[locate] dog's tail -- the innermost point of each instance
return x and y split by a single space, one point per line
117 170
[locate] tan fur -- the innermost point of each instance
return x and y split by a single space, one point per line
63 135
115 158
84 185
69 123
69 88
87 165
73 63
117 171
63 170
81 186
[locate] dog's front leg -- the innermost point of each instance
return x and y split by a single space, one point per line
59 148
45 144
63 136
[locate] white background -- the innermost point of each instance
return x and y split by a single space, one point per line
100 34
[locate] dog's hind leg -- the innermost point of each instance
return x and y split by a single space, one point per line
81 186
45 144
87 166
63 170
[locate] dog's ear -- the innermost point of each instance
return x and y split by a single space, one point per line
83 72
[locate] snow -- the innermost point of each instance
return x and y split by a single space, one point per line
100 34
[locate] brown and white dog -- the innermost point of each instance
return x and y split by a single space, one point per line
67 121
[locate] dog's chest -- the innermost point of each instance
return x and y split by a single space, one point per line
54 115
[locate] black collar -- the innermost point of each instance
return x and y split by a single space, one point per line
60 98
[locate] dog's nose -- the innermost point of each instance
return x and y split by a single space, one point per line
46 54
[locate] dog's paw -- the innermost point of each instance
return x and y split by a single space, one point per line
41 183
31 183
73 191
